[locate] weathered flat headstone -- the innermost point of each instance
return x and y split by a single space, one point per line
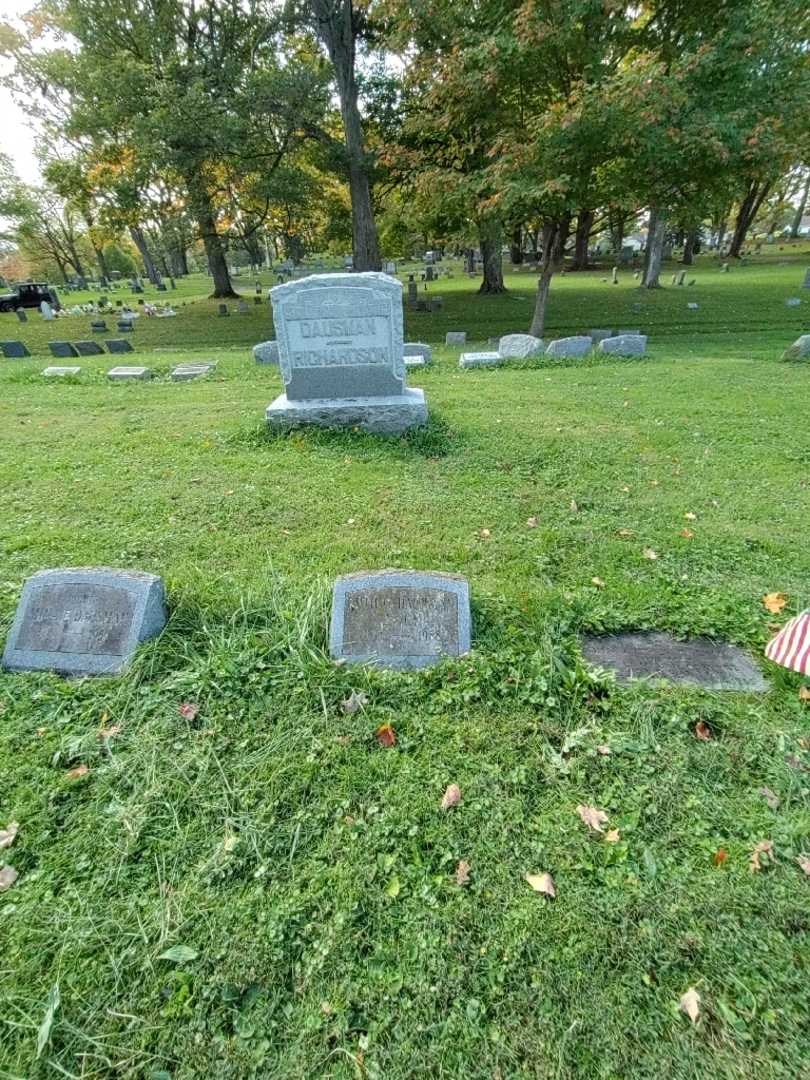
570 346
46 310
185 372
14 350
99 326
88 348
125 326
600 335
121 374
119 345
480 359
341 354
655 655
693 306
84 621
799 350
60 372
223 310
792 301
243 307
624 345
417 354
266 352
62 349
520 346
402 619
455 337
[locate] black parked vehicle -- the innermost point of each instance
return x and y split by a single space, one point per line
28 294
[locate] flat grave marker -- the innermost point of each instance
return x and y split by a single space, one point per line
186 372
59 372
119 345
14 350
88 348
62 349
400 619
123 373
84 621
480 359
455 337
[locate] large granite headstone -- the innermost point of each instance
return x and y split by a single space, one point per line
799 350
13 350
655 655
570 346
402 619
85 621
341 354
624 345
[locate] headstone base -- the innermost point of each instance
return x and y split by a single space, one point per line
382 415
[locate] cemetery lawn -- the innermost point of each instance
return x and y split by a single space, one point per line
226 875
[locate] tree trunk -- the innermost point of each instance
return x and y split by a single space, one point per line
139 240
516 247
490 238
582 236
217 263
617 235
102 262
689 245
335 26
749 208
654 254
800 209
555 235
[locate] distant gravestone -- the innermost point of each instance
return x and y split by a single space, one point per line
799 350
600 335
99 326
341 354
806 283
173 283
46 311
60 372
84 621
186 372
21 315
62 349
125 326
693 306
480 359
391 268
243 307
161 287
455 337
655 655
400 619
417 354
119 345
413 290
792 301
223 311
257 300
615 276
570 346
266 352
520 346
624 345
14 350
88 348
122 374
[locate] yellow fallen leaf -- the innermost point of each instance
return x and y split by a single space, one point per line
451 797
625 534
763 850
690 516
775 601
533 522
80 770
592 817
804 693
597 581
485 534
542 883
574 507
613 836
690 1004
649 553
462 873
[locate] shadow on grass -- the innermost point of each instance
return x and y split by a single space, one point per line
435 439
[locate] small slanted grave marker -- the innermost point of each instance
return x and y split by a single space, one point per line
84 621
14 350
88 348
186 372
119 345
400 619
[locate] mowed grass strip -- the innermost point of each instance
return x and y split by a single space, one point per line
310 873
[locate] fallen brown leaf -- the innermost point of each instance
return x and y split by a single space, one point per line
603 749
763 850
542 883
702 731
80 770
687 534
485 534
804 693
796 763
533 522
613 836
354 702
8 875
463 873
188 710
625 534
451 797
8 834
769 796
690 1004
804 862
597 581
109 732
592 817
386 736
720 856
649 553
775 601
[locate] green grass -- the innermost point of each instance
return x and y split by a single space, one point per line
311 871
